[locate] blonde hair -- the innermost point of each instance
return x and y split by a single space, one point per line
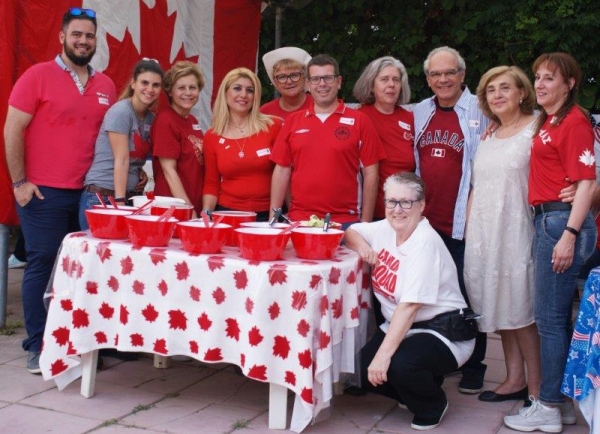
257 121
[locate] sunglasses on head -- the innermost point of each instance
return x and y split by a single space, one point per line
77 12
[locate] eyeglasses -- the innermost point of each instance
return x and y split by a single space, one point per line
294 77
148 59
328 79
404 203
77 12
436 75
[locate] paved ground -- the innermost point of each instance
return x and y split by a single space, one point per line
192 397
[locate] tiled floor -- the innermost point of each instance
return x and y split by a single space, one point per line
191 397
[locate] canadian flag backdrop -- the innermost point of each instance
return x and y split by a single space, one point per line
219 35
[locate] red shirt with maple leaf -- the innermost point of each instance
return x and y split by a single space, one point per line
558 152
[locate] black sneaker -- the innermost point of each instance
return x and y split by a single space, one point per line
471 384
425 423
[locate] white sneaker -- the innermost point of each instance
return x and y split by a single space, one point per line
13 262
568 415
537 417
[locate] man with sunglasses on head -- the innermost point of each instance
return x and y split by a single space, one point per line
327 154
448 126
54 115
285 67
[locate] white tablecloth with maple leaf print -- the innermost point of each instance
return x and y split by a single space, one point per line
290 322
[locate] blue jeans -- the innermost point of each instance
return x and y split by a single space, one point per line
44 224
87 201
553 299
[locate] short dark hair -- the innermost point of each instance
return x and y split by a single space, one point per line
68 17
323 60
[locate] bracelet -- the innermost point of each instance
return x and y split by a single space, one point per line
572 230
120 199
19 183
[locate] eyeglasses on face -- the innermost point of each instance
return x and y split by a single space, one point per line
436 75
148 59
77 12
316 79
294 77
404 203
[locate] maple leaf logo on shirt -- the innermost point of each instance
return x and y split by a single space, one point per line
587 158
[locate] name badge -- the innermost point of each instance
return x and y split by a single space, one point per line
103 101
196 127
221 141
347 121
263 152
474 123
404 125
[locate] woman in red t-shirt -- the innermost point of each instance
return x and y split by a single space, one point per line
381 89
237 148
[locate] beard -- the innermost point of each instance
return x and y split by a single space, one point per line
78 60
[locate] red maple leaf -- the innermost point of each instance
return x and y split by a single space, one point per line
337 307
258 372
232 329
77 235
91 287
334 275
281 347
366 280
307 395
150 313
324 305
213 355
290 378
241 279
324 340
138 287
85 247
195 293
194 347
204 322
354 313
163 287
277 274
66 262
351 279
160 346
61 335
298 300
215 262
303 327
124 316
106 311
182 270
177 320
126 265
274 310
80 318
305 359
157 255
137 340
249 305
66 304
58 367
71 351
365 305
254 336
113 283
101 337
219 295
103 251
315 280
243 360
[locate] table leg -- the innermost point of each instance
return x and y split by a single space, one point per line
88 373
277 406
162 362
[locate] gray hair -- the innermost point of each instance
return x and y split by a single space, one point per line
363 88
461 62
409 179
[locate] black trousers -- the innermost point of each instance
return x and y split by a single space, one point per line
414 374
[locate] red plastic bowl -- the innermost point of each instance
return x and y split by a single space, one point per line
259 244
107 223
197 238
313 243
263 225
146 230
183 212
234 218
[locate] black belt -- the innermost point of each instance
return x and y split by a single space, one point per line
543 208
105 191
